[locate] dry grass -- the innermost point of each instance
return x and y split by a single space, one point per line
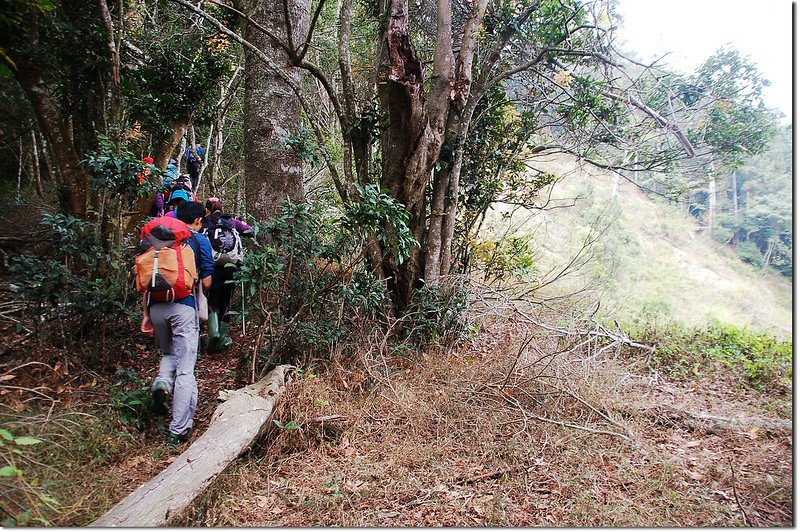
461 439
521 426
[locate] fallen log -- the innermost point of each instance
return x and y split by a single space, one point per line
714 423
235 426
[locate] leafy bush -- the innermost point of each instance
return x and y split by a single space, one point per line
131 397
438 314
753 358
117 169
749 253
305 146
76 276
306 279
30 500
504 258
380 214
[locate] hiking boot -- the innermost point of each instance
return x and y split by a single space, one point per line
213 332
161 398
225 341
173 440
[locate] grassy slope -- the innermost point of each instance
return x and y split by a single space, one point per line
653 261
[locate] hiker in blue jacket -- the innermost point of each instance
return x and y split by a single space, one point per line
177 328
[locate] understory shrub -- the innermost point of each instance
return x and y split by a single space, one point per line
26 500
438 313
753 358
72 275
307 282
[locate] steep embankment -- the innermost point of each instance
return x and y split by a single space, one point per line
652 259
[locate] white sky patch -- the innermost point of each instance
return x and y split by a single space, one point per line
692 30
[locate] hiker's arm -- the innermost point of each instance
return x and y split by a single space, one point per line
242 228
147 325
205 260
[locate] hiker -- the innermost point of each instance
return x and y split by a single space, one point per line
142 175
162 195
172 173
177 198
175 322
194 162
224 232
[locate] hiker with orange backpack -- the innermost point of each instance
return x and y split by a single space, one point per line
173 256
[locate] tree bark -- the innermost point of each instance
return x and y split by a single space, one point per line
236 425
164 148
713 423
59 135
114 95
273 172
412 141
712 202
51 173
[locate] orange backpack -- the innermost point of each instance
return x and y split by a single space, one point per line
165 267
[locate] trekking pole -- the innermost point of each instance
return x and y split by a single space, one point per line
244 333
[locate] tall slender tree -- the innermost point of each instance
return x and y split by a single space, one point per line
273 171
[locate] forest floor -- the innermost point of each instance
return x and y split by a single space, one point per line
519 426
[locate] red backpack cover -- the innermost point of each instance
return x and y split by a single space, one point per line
165 266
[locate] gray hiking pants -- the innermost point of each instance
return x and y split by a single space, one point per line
178 332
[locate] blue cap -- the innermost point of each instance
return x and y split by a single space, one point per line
179 194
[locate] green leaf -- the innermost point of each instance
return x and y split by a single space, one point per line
9 471
48 499
278 423
7 435
26 440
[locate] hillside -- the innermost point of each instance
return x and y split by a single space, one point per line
651 261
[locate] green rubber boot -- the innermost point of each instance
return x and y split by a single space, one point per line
213 333
225 341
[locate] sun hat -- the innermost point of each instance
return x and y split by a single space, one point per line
179 194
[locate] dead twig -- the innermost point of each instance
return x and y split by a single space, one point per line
34 363
328 419
527 414
521 350
736 495
32 390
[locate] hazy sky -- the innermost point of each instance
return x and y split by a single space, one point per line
694 29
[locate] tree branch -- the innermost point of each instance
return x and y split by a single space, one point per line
288 80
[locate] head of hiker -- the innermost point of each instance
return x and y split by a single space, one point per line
191 213
213 204
178 198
